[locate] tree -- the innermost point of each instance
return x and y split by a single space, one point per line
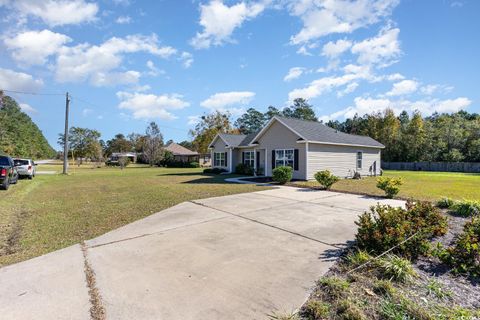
83 142
187 144
301 110
271 112
251 121
153 144
137 141
208 127
118 144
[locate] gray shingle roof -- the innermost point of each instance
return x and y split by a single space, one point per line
310 131
179 150
316 131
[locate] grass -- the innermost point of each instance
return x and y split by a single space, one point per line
51 212
419 185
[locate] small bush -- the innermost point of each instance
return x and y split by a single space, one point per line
357 258
436 288
384 227
391 186
445 203
464 255
467 208
349 311
326 178
334 287
244 169
213 170
396 268
315 309
282 174
194 164
384 288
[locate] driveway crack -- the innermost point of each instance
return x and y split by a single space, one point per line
97 310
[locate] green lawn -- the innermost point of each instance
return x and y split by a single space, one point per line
54 211
430 186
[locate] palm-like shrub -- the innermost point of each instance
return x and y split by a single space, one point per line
391 186
326 178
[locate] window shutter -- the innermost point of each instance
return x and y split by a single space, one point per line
226 162
243 157
258 159
295 159
273 159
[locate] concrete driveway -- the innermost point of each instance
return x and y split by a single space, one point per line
234 257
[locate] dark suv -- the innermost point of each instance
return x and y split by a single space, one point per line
8 172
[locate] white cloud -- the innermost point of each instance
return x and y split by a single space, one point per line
228 101
154 71
382 50
18 81
55 12
334 49
367 105
193 120
430 89
219 21
34 47
150 106
403 87
97 64
394 77
27 108
348 89
123 20
294 73
187 59
321 18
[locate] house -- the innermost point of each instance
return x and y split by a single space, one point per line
132 156
182 154
306 146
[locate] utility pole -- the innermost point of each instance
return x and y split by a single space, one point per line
65 136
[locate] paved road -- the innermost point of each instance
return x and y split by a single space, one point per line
233 257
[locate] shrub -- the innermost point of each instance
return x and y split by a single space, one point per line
334 287
467 208
194 164
357 258
326 178
282 174
315 309
464 255
214 170
384 227
391 186
244 169
445 203
396 268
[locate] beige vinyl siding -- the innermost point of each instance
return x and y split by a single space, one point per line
219 146
341 160
280 137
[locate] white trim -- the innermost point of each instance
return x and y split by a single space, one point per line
306 161
213 160
210 146
341 144
275 118
288 149
254 156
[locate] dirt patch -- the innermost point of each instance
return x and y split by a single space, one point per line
97 310
13 234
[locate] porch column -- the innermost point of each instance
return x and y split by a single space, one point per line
266 163
255 162
230 161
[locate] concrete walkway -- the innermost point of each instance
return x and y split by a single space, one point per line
234 257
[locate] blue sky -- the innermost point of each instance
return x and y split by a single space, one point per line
128 62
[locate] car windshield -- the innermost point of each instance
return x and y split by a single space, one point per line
4 161
19 162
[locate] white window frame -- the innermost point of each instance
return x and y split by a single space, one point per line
219 159
283 159
251 158
359 159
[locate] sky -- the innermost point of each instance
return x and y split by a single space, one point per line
128 62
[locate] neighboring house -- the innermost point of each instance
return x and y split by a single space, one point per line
306 146
182 154
205 160
117 155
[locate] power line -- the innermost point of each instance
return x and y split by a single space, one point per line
33 93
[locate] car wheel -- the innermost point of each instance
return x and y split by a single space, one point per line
5 184
30 177
14 181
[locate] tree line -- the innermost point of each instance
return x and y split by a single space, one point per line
19 135
407 137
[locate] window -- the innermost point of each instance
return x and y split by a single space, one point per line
219 159
249 158
284 157
359 159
